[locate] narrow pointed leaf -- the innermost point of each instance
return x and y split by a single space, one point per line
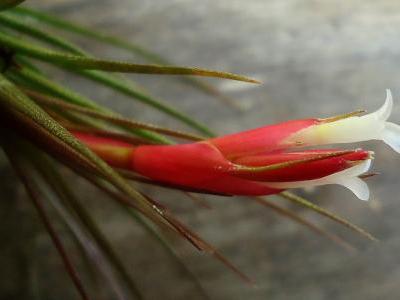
300 220
86 169
127 89
304 202
75 161
112 118
67 26
12 97
205 246
88 63
150 229
108 80
127 204
196 240
6 4
56 182
15 23
135 49
34 194
35 80
198 200
127 201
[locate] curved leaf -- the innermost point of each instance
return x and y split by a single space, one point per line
38 81
6 4
33 191
117 84
304 202
13 98
129 123
88 63
116 42
300 220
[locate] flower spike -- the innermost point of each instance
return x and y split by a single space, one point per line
203 166
261 161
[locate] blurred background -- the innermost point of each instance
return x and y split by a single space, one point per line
315 59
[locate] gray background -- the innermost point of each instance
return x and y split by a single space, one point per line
315 58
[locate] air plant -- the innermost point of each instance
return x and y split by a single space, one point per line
44 124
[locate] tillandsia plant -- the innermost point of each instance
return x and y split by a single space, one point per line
44 124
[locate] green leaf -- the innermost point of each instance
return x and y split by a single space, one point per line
88 63
105 254
15 23
118 84
80 30
38 81
304 202
126 88
300 220
128 123
126 204
67 26
196 240
20 168
56 180
11 97
6 4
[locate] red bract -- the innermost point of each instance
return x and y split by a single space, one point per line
255 162
116 153
261 140
303 171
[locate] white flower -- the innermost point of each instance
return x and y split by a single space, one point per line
373 126
347 178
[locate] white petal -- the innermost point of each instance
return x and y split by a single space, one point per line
348 178
391 136
357 186
350 130
384 112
